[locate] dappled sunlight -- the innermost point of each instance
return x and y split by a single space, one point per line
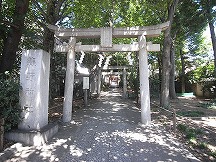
108 130
75 151
131 136
75 123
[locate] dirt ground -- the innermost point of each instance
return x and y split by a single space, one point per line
197 128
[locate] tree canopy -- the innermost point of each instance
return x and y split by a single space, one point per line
23 26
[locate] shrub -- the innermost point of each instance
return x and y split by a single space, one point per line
9 100
208 105
182 127
191 113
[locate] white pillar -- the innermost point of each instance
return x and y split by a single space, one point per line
69 81
124 84
144 81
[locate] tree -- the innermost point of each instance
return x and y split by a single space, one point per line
210 14
52 12
49 12
166 65
185 30
207 7
12 40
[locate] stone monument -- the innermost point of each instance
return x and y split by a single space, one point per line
34 97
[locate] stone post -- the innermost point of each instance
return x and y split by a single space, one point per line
95 83
85 89
99 82
124 83
144 81
69 81
34 93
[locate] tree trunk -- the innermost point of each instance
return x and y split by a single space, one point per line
2 122
211 26
172 91
12 41
164 99
182 72
159 59
0 6
48 41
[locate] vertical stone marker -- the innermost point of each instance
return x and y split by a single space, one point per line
34 95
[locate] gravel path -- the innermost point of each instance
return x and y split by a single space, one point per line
107 130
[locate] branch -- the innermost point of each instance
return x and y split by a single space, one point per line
57 8
62 16
171 10
38 6
9 23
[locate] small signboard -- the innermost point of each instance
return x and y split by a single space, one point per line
85 82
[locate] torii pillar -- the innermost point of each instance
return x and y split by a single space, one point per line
144 81
69 81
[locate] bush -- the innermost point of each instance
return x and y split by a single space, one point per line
9 101
208 105
191 113
154 85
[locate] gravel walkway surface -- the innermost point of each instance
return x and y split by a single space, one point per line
107 130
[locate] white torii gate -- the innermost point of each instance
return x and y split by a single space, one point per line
106 34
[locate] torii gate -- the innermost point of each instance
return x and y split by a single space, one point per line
106 34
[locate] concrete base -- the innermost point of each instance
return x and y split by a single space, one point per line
35 137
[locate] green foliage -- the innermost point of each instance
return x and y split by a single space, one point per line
204 75
203 71
190 133
208 105
9 100
6 14
182 127
213 154
133 78
57 75
202 145
154 85
191 113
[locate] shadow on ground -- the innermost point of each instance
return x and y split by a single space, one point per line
107 130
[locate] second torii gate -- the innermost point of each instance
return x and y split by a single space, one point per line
106 35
